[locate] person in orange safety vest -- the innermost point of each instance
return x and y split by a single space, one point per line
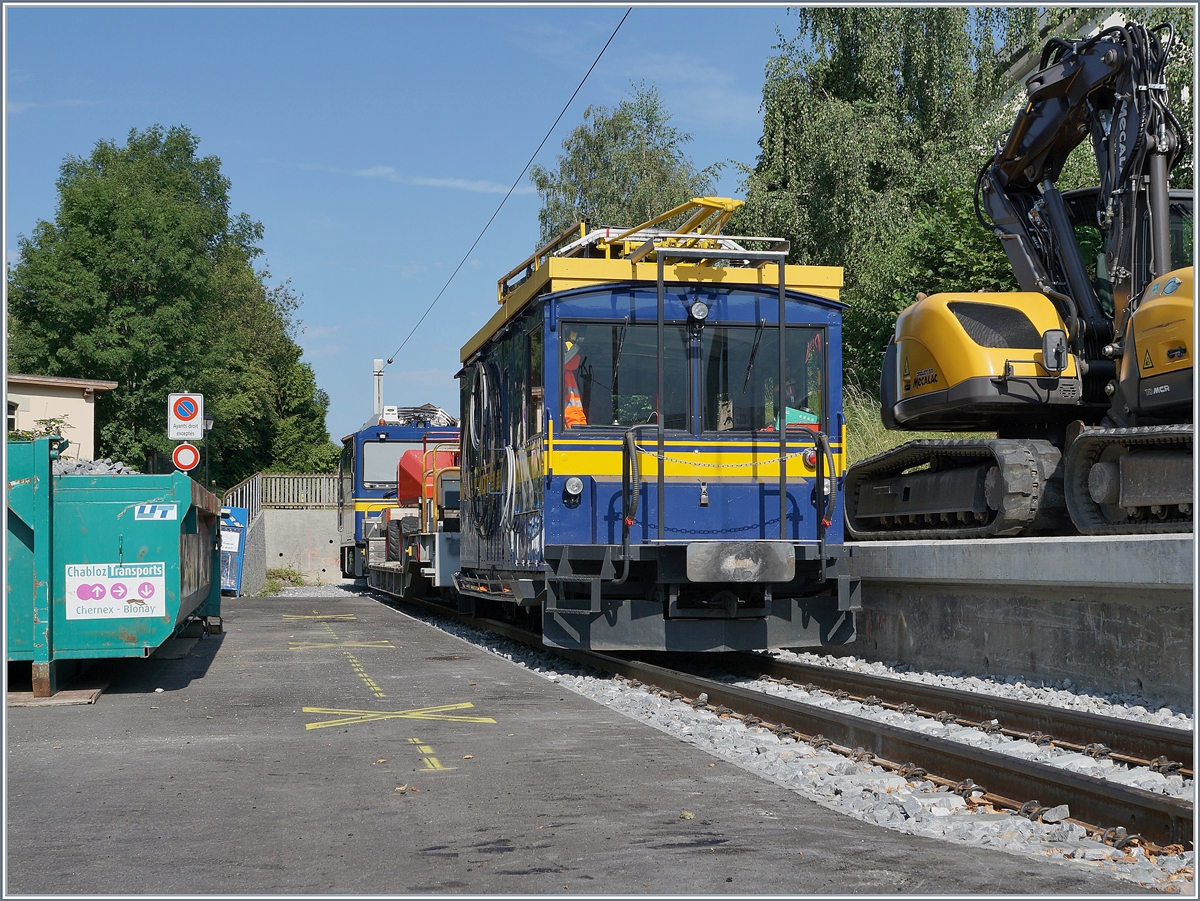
573 414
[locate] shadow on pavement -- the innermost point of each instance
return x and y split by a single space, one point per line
140 676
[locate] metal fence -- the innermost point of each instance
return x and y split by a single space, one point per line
246 493
299 490
284 491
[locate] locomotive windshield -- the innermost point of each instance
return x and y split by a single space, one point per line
741 371
379 462
610 375
613 367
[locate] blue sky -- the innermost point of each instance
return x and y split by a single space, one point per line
373 143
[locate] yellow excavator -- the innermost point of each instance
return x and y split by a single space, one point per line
1085 374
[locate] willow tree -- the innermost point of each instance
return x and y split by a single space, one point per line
876 122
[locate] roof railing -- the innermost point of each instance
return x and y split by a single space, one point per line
705 217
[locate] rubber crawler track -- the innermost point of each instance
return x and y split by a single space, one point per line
1031 473
1086 450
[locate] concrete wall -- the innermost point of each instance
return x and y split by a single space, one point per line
1113 615
305 540
254 561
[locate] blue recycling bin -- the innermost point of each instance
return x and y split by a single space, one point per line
234 521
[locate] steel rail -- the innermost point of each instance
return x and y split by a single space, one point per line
1158 818
1141 740
1154 817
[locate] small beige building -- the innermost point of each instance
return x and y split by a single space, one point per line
34 397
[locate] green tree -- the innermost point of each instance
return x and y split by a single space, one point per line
147 279
874 118
876 122
621 167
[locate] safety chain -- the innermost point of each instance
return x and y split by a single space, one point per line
658 456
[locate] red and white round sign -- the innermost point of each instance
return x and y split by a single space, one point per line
186 408
185 457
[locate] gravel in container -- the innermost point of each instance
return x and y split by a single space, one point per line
91 467
855 788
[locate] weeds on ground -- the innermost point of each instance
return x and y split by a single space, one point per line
278 579
866 436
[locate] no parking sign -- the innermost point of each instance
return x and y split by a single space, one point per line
185 417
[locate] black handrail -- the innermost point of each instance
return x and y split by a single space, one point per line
631 491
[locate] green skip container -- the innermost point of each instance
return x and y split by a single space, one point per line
103 566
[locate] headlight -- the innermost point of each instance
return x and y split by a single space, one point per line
699 311
574 486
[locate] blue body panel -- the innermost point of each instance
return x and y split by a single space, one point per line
739 507
737 511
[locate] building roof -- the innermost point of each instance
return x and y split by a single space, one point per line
55 381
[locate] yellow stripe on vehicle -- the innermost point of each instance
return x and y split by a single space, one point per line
682 463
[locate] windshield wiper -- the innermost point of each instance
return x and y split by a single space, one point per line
753 353
620 347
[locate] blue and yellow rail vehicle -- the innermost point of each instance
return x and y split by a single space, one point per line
626 470
367 473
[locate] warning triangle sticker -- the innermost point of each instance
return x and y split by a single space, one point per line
1147 363
906 367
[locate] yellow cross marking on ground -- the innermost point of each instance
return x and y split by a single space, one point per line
351 717
319 616
309 645
431 762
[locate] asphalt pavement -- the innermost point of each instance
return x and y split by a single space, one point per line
338 746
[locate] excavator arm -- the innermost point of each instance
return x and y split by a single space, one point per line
1109 88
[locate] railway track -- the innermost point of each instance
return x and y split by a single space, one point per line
1119 813
1161 748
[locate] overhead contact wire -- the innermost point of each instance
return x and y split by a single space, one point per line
467 255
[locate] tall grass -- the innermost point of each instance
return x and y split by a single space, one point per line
865 434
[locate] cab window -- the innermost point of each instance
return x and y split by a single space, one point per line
741 371
610 374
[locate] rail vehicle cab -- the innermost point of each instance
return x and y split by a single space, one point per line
419 537
367 475
636 471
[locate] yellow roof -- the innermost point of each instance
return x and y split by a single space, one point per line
563 273
579 258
